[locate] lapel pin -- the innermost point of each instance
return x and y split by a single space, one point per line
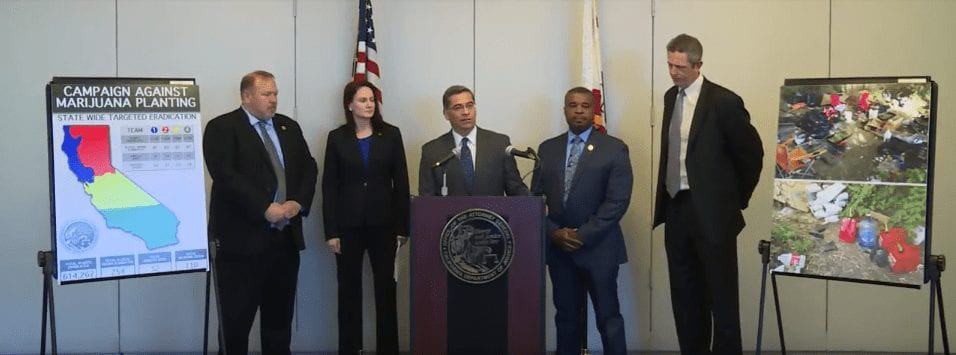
282 127
590 147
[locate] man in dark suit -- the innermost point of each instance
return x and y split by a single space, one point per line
481 167
710 163
263 181
586 179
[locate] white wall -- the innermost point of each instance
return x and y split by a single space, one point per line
40 40
519 57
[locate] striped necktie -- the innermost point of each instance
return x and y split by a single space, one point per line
576 147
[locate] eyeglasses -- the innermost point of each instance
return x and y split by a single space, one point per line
461 107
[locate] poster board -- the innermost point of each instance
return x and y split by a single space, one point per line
853 179
127 185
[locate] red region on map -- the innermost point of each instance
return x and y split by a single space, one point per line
94 148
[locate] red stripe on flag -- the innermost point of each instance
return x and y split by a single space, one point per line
371 67
598 111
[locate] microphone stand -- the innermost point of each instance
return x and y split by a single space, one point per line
443 190
444 182
441 164
535 167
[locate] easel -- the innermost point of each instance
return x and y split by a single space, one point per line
47 263
935 265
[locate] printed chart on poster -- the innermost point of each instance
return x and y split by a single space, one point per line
126 178
853 183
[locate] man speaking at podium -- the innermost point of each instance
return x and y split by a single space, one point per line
473 160
263 181
586 179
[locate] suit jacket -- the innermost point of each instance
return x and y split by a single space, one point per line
599 195
723 160
496 172
356 196
243 183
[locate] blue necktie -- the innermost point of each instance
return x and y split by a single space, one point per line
673 146
576 147
467 165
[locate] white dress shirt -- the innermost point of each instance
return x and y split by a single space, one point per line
691 94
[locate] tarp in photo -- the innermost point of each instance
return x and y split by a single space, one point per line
853 182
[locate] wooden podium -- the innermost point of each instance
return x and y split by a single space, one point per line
477 275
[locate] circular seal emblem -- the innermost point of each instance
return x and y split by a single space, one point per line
477 246
78 237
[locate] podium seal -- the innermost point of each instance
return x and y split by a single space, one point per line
477 246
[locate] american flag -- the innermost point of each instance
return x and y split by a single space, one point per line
592 73
366 68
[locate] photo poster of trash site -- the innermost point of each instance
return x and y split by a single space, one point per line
853 185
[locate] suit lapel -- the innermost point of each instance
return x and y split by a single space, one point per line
351 146
700 112
453 166
281 128
481 156
559 161
374 149
669 97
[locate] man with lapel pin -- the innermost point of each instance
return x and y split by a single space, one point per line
585 177
710 164
263 181
480 166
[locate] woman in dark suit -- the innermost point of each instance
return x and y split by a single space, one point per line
365 202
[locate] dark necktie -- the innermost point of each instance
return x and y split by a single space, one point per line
576 147
467 165
274 160
673 146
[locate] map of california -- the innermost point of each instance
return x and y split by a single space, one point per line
123 204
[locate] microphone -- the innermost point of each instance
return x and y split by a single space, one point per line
454 153
527 153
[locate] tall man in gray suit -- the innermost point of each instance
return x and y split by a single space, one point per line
710 163
481 167
586 179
